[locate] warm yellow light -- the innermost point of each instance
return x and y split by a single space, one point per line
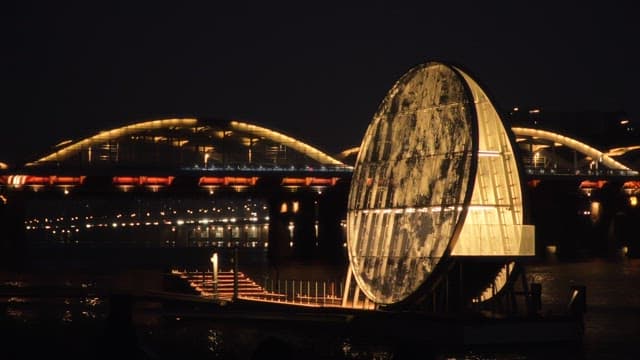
572 144
488 153
633 201
622 150
295 206
283 208
624 122
297 145
63 143
348 152
104 136
595 211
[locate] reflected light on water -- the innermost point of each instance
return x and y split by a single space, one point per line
214 341
67 316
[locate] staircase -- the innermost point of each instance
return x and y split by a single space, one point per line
202 282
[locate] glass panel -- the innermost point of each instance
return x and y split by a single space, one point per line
493 225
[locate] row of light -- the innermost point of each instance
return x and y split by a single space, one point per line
178 222
433 209
73 228
253 218
246 207
157 182
276 168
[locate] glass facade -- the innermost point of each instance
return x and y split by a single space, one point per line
494 222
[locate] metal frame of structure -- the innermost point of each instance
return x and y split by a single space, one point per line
436 180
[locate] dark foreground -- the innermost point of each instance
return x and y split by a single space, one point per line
72 312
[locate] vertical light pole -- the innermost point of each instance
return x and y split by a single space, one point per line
206 159
214 263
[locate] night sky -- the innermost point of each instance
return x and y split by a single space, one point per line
316 70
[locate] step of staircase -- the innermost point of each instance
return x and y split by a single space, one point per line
203 283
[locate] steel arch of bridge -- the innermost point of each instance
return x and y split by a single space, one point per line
571 143
277 137
567 141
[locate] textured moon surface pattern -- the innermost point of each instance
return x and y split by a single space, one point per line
410 181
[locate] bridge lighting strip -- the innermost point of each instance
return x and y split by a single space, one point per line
432 209
488 153
113 133
304 148
572 143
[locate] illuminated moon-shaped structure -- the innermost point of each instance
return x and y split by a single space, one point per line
435 177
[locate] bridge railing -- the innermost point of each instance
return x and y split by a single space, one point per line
578 172
309 292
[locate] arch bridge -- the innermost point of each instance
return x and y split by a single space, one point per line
151 169
190 156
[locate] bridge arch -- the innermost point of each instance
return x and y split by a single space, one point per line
201 143
580 147
572 144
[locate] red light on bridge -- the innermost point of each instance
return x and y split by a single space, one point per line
631 185
227 181
533 183
210 180
20 180
37 180
588 184
309 181
125 180
156 180
294 181
66 180
143 180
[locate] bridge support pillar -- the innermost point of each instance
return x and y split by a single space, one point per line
306 223
13 246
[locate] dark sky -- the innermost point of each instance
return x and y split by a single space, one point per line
316 70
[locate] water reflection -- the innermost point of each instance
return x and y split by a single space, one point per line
214 340
350 351
77 323
67 316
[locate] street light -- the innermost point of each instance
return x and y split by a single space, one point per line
206 159
214 263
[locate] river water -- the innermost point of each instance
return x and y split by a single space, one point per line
62 311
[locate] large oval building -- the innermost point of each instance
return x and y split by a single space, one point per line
436 177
